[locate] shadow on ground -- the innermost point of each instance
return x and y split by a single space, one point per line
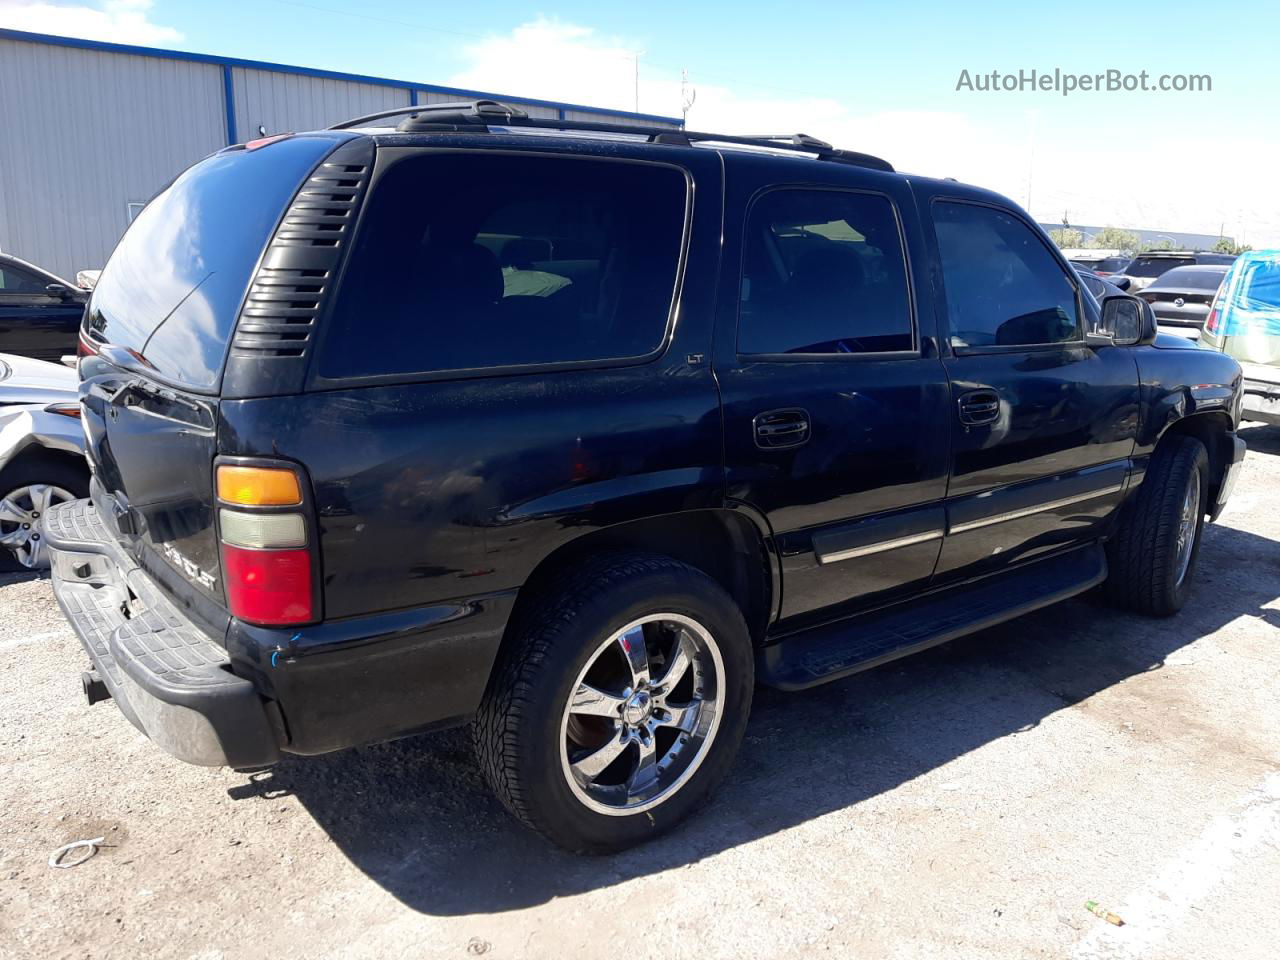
414 816
1262 439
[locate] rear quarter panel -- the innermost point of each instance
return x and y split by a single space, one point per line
440 489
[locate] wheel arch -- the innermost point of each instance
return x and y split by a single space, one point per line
727 544
37 453
1212 428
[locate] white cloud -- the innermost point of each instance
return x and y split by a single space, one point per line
1100 169
117 21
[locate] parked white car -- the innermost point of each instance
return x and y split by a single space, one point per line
41 452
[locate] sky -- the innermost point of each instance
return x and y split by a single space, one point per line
876 77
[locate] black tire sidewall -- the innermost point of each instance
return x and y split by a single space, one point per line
556 809
1193 458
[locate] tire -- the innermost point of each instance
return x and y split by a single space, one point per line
37 469
527 739
1147 571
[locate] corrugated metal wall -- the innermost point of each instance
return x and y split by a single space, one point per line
282 102
87 132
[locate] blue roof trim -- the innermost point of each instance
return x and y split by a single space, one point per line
103 46
229 102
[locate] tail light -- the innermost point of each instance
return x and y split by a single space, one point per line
267 561
1211 322
85 347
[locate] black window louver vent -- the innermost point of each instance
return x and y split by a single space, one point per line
288 290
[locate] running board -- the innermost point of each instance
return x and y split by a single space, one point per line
839 649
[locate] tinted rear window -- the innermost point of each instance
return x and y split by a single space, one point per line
1155 266
1193 279
172 289
823 273
466 261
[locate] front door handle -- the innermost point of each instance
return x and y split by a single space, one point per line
779 429
978 407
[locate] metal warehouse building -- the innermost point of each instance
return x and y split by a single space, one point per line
93 130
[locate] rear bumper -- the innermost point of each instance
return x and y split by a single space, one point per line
171 681
265 691
1261 401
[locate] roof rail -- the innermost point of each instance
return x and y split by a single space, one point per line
452 112
470 114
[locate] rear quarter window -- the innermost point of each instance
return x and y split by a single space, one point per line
172 289
467 261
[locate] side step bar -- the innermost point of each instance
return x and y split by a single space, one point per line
849 646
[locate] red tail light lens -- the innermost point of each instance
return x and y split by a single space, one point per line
84 348
1211 324
268 587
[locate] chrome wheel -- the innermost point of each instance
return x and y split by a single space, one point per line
21 513
1188 522
642 715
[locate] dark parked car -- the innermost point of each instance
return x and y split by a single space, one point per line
1181 297
1144 269
39 313
731 410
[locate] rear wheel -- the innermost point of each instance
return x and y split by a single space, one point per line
28 489
619 705
1152 557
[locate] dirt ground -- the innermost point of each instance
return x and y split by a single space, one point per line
963 803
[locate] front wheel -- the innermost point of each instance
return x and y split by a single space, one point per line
28 489
1153 554
619 704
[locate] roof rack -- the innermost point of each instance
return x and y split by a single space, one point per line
468 115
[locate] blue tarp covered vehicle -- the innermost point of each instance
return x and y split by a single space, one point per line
1245 323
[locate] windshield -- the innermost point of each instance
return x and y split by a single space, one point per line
1156 266
172 289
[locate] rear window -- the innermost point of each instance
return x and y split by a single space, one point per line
172 289
1193 279
466 261
1155 266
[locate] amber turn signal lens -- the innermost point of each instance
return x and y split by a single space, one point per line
258 486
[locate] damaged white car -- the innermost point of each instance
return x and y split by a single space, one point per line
41 453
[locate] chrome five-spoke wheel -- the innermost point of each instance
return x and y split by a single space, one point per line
642 714
20 521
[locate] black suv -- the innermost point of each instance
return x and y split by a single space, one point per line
575 433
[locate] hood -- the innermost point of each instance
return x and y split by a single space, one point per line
1172 341
23 380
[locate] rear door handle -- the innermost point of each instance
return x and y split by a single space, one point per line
978 407
779 429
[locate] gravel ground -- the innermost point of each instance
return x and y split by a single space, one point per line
962 803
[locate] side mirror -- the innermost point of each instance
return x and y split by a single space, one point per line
61 291
1126 321
1122 282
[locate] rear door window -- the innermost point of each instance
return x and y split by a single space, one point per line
17 282
482 260
1003 286
171 291
823 273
